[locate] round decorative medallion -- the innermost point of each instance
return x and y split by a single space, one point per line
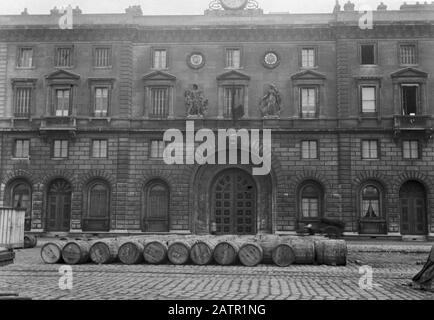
271 60
196 60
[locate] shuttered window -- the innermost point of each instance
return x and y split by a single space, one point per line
64 57
25 58
233 58
22 148
309 149
99 148
160 59
60 149
308 102
160 102
101 102
407 54
63 100
23 101
102 57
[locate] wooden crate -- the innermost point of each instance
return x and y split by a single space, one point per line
12 228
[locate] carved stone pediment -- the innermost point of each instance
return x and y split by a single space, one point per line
233 75
62 75
159 76
308 75
409 73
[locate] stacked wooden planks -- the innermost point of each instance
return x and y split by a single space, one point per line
249 251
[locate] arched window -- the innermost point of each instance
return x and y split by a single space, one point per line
311 201
98 213
22 199
371 207
156 218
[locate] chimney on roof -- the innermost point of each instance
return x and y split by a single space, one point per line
25 12
337 7
54 11
135 11
77 10
382 7
349 6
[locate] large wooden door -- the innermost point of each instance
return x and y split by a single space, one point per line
157 208
59 206
234 203
413 209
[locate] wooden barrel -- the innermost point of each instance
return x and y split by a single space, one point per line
226 252
104 252
178 251
76 252
202 251
155 251
283 255
250 254
51 252
304 251
30 241
131 252
268 243
331 252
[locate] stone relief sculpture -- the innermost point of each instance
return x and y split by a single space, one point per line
195 102
271 102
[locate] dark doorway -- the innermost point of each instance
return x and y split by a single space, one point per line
413 208
234 203
59 206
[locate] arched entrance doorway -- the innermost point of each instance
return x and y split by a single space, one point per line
234 203
412 197
59 206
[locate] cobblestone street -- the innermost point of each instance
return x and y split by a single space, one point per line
393 270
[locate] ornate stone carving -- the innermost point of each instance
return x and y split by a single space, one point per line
195 102
271 102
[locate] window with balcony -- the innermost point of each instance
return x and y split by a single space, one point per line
233 100
308 102
22 149
410 99
63 102
64 57
60 149
102 57
233 58
101 102
410 149
159 59
309 149
369 149
99 149
25 58
159 102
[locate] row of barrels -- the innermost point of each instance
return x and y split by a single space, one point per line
200 251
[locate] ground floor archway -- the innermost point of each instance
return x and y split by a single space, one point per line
412 198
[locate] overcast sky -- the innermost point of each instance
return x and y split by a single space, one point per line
158 7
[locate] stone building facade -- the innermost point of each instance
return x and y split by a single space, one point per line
83 112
